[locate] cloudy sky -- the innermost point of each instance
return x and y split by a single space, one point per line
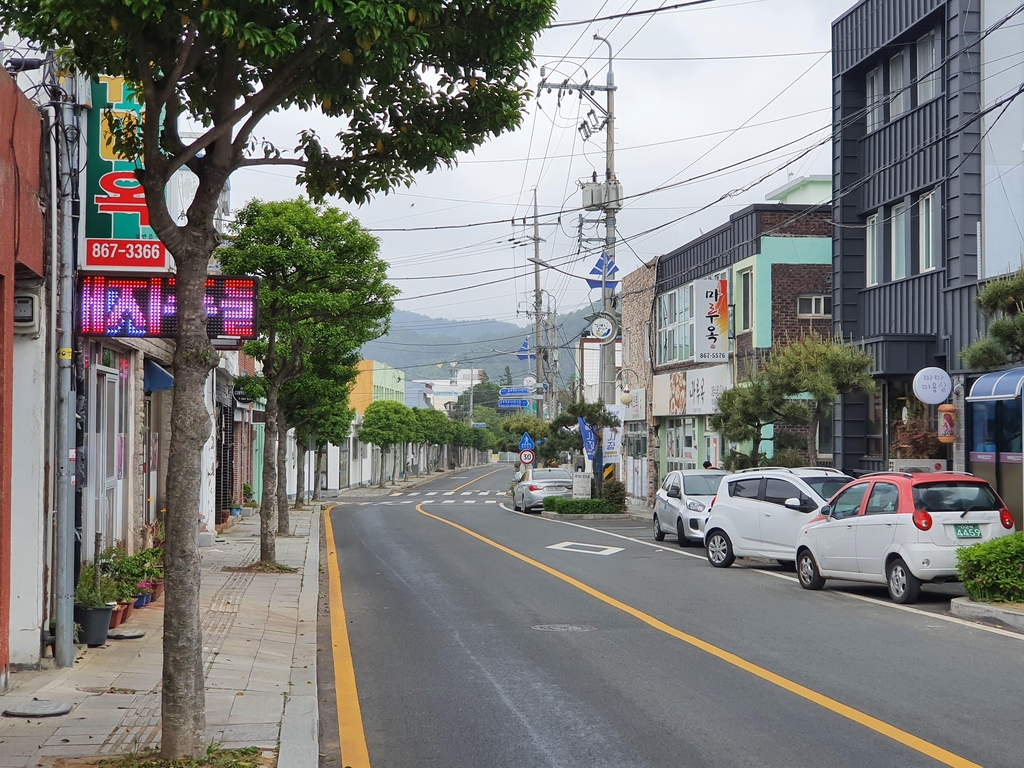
702 89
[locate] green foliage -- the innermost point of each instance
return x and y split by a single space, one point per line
88 594
506 377
583 507
614 492
549 502
993 571
1002 302
434 426
485 394
387 423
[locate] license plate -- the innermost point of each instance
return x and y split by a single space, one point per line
967 531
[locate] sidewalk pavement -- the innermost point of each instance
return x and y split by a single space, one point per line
259 656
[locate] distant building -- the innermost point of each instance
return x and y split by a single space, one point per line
419 394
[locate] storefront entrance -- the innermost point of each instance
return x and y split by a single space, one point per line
994 451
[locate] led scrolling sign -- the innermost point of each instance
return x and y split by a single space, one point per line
145 306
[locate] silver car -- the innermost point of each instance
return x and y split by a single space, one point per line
682 504
536 484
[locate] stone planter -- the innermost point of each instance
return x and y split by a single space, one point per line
116 616
94 624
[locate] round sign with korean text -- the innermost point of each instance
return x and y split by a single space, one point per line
932 385
526 457
603 328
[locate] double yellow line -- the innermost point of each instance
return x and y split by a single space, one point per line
350 725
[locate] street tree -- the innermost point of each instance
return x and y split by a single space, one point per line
386 424
1002 302
565 434
410 89
322 286
435 430
506 378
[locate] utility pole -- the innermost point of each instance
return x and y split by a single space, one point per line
610 206
538 302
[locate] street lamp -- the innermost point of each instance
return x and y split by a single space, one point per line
625 398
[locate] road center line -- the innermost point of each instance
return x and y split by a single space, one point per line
351 735
879 726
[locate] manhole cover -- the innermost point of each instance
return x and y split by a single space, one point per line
564 628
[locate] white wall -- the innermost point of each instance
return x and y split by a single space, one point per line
208 490
333 467
28 518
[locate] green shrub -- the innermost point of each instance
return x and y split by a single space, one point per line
993 571
583 507
550 502
614 492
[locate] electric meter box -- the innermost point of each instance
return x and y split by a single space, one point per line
26 313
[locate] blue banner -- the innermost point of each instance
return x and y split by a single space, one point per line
589 438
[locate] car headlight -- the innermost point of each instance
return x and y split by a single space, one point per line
694 505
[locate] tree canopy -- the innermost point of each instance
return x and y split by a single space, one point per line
1002 302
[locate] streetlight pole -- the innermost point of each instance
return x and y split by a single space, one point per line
610 206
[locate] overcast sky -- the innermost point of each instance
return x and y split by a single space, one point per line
698 90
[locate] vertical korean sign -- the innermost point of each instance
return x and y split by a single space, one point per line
711 321
118 236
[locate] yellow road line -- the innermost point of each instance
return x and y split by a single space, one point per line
903 737
485 474
351 735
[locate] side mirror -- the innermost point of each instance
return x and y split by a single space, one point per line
795 503
672 493
826 510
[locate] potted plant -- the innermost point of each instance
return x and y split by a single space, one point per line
92 611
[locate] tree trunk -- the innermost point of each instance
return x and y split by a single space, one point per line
182 697
283 523
300 475
268 544
317 458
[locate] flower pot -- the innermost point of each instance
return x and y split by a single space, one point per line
236 511
116 616
127 612
147 599
140 601
158 589
94 623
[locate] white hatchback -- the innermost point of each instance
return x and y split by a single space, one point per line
681 504
899 529
759 512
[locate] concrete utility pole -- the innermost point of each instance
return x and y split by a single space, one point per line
538 304
610 206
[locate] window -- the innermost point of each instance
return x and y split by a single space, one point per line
701 485
872 253
746 300
675 326
684 336
929 70
847 504
666 328
825 439
777 491
745 489
965 496
899 94
899 241
874 95
814 306
884 499
928 224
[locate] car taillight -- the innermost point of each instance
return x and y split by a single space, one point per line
1006 518
712 502
922 520
535 487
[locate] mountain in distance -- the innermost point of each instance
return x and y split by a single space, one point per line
424 347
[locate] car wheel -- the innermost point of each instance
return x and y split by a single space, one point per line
719 550
807 571
787 565
681 533
904 587
659 535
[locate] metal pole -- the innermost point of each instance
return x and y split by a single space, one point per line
537 300
64 649
608 294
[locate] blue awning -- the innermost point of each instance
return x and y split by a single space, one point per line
998 385
156 378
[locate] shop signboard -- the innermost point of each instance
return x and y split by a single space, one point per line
711 312
704 386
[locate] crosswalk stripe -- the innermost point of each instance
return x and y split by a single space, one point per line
490 501
431 493
407 502
397 493
448 501
449 493
467 493
469 501
485 493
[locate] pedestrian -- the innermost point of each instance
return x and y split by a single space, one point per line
709 465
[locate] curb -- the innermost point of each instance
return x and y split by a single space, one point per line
965 608
300 723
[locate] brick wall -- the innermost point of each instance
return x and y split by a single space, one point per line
791 224
789 281
637 313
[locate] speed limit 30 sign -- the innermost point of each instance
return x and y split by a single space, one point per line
526 457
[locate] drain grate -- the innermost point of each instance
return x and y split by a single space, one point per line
563 628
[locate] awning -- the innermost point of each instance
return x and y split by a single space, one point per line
998 385
156 378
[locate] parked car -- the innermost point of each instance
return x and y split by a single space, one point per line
899 529
759 512
536 484
681 504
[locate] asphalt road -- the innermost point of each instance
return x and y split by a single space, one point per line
476 644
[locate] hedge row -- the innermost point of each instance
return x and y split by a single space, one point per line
579 506
993 571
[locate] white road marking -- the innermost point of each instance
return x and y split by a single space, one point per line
431 493
469 501
585 549
448 501
414 493
397 493
408 502
467 493
485 493
490 501
449 493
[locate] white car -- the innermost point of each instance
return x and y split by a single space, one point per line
681 504
759 512
899 529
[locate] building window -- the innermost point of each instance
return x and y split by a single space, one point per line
899 94
684 336
928 224
872 253
899 241
825 439
929 69
814 306
746 300
874 98
666 328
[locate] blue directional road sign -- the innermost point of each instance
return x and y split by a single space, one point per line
502 403
513 391
526 444
479 423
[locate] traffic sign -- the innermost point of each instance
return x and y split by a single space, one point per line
526 444
479 423
529 381
526 457
513 391
502 403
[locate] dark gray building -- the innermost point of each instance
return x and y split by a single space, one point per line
928 203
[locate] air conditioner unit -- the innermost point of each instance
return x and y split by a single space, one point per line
917 465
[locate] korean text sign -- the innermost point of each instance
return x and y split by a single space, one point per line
711 321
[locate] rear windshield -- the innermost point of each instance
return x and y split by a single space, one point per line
827 487
701 485
955 497
551 474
